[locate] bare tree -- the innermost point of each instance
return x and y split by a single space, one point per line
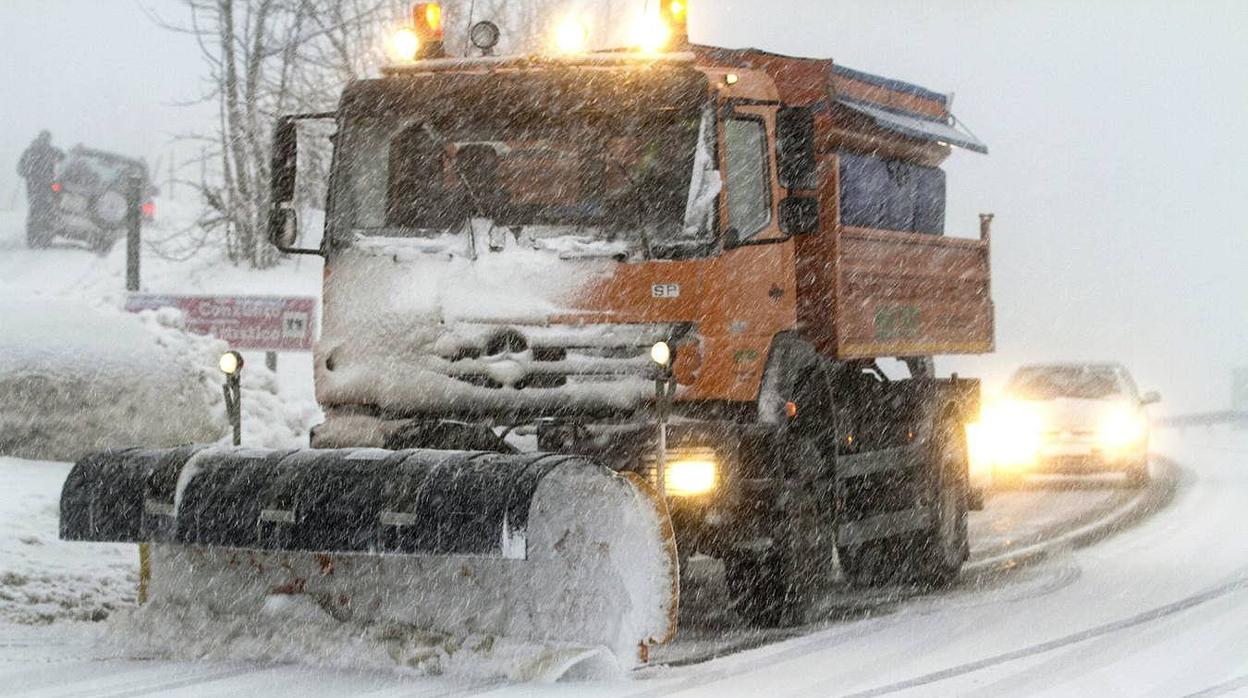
265 58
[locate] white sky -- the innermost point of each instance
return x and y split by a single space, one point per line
1117 131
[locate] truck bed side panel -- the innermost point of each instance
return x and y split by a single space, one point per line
909 294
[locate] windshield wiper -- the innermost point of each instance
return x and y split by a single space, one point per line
478 205
635 188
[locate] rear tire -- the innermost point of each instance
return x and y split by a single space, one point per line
37 239
875 563
102 242
943 548
933 557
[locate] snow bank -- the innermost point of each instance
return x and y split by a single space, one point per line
43 579
76 378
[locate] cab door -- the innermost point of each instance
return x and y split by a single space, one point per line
750 295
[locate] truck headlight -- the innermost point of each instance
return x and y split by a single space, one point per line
689 476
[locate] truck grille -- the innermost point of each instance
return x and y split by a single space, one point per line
554 356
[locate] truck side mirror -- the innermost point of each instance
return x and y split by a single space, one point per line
283 224
799 215
1152 397
796 164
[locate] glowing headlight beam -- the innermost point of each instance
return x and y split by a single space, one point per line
571 36
1009 434
651 33
688 477
1121 429
404 44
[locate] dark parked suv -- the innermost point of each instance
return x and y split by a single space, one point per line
89 197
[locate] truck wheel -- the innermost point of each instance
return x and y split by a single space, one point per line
943 548
758 585
777 587
935 556
876 563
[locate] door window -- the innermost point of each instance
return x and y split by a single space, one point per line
747 176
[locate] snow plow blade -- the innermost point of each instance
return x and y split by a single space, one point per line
534 547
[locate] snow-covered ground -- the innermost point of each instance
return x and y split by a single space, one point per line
1156 609
43 579
77 373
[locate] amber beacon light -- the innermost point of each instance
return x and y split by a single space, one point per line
427 25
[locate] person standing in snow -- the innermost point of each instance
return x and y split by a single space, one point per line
38 167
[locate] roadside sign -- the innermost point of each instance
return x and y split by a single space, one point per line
261 323
1239 390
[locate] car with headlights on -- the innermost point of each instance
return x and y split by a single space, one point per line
1069 418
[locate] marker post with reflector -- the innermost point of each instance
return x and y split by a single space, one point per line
134 222
231 364
665 390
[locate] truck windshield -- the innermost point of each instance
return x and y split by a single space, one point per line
615 176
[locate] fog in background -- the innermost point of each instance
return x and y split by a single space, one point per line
1117 136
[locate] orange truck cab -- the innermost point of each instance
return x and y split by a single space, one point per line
684 265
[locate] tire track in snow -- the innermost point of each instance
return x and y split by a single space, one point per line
978 575
1239 583
1222 688
141 681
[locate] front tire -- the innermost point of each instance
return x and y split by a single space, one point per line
777 586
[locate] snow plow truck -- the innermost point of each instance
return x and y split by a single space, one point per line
586 315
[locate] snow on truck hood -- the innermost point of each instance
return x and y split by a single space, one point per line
418 325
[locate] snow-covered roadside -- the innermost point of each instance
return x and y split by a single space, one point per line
119 379
68 300
44 579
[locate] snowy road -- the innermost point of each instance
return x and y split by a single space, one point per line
1053 603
